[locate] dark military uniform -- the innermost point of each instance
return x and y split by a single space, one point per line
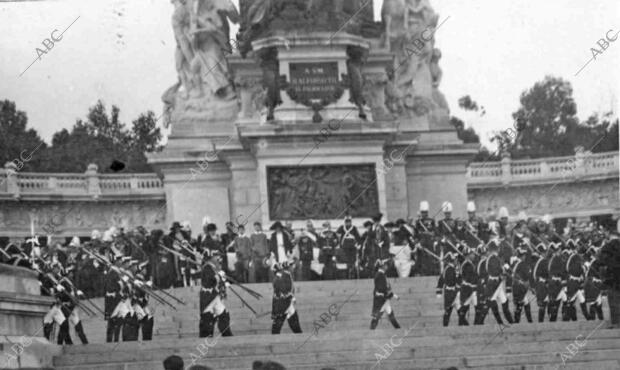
329 242
494 289
593 288
574 287
467 294
426 264
212 308
349 240
382 294
481 304
521 283
282 307
448 286
540 275
112 287
555 285
306 255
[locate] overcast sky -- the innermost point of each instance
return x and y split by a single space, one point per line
121 51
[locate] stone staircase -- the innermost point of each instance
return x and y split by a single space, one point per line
343 340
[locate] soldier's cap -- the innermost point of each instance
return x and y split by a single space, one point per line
400 221
211 227
368 224
276 225
176 225
389 225
377 217
347 218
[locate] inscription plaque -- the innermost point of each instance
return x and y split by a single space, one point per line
323 192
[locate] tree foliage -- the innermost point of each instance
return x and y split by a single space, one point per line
101 139
18 144
546 124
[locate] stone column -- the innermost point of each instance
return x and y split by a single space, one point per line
12 186
92 181
506 173
245 196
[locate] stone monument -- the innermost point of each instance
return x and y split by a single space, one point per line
312 111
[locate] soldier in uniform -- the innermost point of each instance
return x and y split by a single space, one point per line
575 283
474 225
381 237
212 297
495 288
349 242
540 276
521 284
481 270
211 244
140 301
468 281
448 286
283 303
445 230
425 229
557 281
594 286
113 285
382 296
403 243
328 242
306 245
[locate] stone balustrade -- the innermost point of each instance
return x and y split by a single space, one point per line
582 166
90 184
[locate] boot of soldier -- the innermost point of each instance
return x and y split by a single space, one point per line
565 312
481 314
373 324
592 311
276 325
393 320
293 323
462 312
147 328
507 313
206 325
118 327
446 316
599 311
528 312
63 334
47 330
518 310
584 311
126 330
553 311
541 313
109 333
79 329
495 311
223 324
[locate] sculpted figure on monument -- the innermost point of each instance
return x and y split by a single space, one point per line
201 31
409 34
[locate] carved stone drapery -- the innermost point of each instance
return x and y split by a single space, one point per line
323 192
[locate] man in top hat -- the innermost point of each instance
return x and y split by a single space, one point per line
468 281
382 296
425 229
350 243
283 303
447 285
260 254
212 299
280 245
495 288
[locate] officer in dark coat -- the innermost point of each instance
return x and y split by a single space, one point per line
447 285
328 242
494 289
112 287
212 298
306 246
540 276
557 282
575 283
141 307
349 242
481 270
382 296
468 280
425 229
594 286
283 307
521 284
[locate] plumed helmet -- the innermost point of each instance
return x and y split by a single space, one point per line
503 212
446 207
471 206
424 206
